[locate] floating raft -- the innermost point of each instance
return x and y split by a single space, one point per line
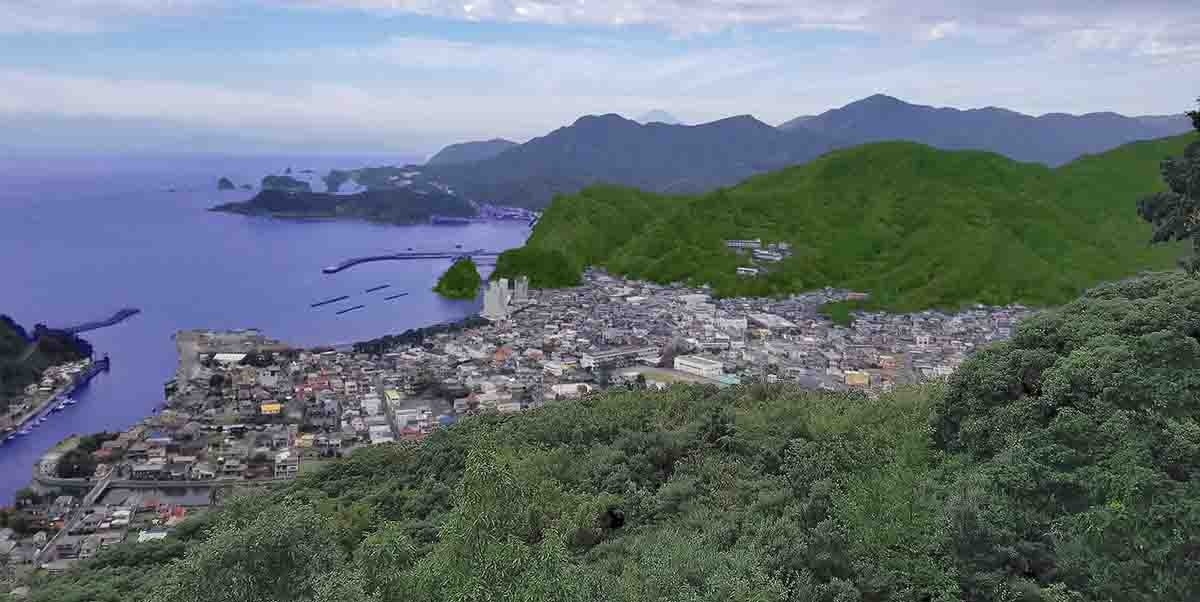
395 296
350 309
328 301
377 288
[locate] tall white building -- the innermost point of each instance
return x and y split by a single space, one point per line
521 291
495 300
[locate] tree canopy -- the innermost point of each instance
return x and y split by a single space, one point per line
1175 213
460 281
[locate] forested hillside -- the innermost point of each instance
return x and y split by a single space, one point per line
1061 466
22 361
914 226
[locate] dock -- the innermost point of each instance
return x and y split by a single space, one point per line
456 254
43 409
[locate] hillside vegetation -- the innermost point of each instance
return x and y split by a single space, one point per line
1061 466
915 226
459 281
22 364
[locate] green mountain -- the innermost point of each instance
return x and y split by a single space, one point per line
915 226
1060 466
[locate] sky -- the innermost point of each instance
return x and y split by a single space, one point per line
409 76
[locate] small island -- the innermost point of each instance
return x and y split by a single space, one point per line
461 281
225 184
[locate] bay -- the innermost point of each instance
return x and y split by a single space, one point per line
81 237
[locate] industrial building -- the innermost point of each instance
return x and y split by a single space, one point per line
700 366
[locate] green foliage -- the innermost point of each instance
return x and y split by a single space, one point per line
546 268
23 358
1062 466
78 462
285 183
386 205
1079 440
460 281
914 226
1175 213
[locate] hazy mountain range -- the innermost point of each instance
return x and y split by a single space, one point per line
1053 139
673 158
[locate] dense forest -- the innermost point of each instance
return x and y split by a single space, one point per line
1060 466
914 226
460 281
24 356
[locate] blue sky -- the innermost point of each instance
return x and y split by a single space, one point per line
409 76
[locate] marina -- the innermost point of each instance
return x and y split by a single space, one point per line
60 400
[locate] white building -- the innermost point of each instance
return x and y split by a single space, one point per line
521 289
747 271
767 256
287 465
597 358
495 301
700 366
744 244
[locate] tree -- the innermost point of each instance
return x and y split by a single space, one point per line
1175 214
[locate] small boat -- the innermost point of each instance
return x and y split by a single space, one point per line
60 407
25 431
71 401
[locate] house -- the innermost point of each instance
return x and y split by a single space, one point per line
744 244
287 465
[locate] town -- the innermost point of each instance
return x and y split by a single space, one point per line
244 410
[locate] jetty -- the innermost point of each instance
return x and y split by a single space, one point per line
455 254
350 309
117 318
328 301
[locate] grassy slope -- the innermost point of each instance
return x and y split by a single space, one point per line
915 226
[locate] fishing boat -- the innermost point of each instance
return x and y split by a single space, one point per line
71 401
25 431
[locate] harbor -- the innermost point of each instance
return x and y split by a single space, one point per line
58 400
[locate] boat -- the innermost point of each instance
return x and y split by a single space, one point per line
60 407
71 401
25 431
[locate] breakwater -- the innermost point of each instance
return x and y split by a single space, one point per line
118 317
349 263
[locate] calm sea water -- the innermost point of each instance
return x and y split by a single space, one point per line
81 238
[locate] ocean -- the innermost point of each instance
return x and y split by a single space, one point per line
81 237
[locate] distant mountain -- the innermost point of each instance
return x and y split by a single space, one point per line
795 123
1169 125
468 152
611 149
659 116
1052 139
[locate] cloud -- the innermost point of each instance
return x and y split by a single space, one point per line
89 16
